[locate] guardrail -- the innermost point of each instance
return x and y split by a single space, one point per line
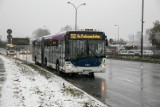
146 58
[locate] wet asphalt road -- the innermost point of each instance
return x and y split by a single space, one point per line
131 84
125 84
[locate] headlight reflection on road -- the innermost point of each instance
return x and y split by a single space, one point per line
103 90
22 57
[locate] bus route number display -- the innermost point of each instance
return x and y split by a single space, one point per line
85 36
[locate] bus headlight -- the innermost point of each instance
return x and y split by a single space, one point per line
102 65
69 65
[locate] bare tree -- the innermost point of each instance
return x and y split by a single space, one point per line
154 34
40 32
0 37
122 41
66 28
2 43
111 41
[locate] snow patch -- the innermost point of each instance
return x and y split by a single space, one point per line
27 87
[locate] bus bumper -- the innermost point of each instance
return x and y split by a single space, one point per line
85 70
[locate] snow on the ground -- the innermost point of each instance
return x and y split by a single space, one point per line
26 86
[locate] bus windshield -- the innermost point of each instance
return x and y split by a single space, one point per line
79 49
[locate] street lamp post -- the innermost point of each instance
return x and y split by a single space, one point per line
142 29
118 32
76 8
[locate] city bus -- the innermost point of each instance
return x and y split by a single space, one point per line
72 51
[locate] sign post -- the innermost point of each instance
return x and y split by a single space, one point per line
9 36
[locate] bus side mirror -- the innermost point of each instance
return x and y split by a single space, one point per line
106 42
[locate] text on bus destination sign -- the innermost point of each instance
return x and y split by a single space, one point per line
54 42
85 36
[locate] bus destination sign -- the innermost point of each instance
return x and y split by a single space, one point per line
54 43
85 36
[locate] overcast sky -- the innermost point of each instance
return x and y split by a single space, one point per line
25 16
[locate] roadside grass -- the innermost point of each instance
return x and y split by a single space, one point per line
86 104
68 90
136 58
76 93
26 70
72 91
39 70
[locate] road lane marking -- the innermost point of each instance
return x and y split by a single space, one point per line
127 80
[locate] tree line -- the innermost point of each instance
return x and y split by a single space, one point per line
154 34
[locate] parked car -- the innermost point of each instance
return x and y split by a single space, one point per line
156 54
123 52
147 52
22 52
28 52
131 52
137 52
10 52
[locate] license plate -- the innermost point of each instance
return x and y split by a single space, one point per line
87 70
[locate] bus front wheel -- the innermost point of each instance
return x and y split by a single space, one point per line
91 74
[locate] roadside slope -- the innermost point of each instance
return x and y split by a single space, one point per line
27 86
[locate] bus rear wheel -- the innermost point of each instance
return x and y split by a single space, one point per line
58 69
45 62
35 59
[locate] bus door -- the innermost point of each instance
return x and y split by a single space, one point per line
61 57
42 51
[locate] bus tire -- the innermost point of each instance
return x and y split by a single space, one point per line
58 68
91 74
35 60
45 62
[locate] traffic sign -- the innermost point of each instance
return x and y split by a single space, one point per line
20 41
9 31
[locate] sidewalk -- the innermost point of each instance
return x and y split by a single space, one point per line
28 86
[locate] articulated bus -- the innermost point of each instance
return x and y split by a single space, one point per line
72 51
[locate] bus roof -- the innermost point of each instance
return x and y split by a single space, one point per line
61 35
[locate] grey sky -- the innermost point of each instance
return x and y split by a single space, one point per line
24 16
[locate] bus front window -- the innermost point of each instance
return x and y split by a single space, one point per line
96 48
79 49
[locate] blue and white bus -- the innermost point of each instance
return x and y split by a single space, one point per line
72 51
